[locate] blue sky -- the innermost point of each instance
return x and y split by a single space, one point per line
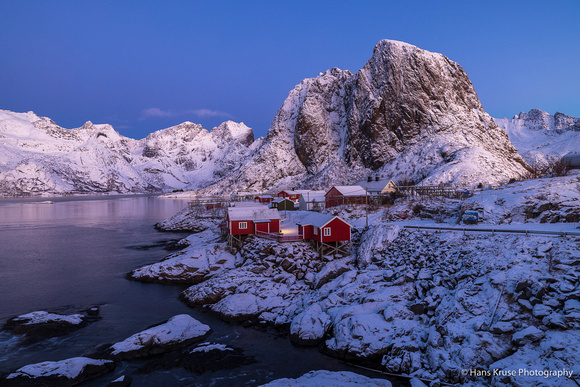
147 65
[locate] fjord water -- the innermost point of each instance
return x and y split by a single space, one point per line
74 253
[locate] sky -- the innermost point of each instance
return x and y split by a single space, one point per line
146 65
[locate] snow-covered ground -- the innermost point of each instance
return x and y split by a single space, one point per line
436 305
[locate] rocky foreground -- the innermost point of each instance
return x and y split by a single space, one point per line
494 309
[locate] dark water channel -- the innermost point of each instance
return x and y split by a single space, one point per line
74 253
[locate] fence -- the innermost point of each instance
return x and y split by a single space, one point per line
279 237
494 230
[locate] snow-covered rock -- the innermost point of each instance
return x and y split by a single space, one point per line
177 332
197 262
67 372
40 325
329 378
310 326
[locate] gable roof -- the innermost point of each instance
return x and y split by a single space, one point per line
350 190
319 220
252 213
375 186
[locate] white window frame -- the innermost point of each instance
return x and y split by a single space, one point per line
327 231
243 225
315 230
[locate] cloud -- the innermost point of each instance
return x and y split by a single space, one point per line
155 112
204 113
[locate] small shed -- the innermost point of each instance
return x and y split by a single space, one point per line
345 194
328 232
283 204
265 199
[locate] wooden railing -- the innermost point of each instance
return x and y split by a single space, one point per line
279 237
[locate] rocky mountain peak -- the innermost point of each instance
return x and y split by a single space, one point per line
230 130
408 113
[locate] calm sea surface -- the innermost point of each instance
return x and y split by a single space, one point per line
74 253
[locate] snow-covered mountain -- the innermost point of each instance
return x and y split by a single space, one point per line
39 157
407 114
541 137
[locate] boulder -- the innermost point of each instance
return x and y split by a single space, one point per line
179 331
40 325
541 310
528 335
332 270
204 357
67 372
555 321
310 326
237 307
329 378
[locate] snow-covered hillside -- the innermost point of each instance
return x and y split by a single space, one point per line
39 157
541 137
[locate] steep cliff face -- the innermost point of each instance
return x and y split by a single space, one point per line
407 114
39 157
542 138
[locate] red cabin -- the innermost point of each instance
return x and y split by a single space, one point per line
324 228
248 220
345 194
264 199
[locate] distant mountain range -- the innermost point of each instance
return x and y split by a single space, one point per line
408 114
39 157
541 137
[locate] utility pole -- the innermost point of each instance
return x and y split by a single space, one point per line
367 205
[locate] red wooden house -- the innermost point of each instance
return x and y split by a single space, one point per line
249 220
264 199
345 194
326 231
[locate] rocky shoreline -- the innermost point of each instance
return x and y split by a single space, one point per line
419 303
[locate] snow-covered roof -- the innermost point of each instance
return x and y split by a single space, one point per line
249 204
265 196
245 193
374 186
350 190
280 199
252 213
318 220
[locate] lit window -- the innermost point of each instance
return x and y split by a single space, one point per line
326 231
243 225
